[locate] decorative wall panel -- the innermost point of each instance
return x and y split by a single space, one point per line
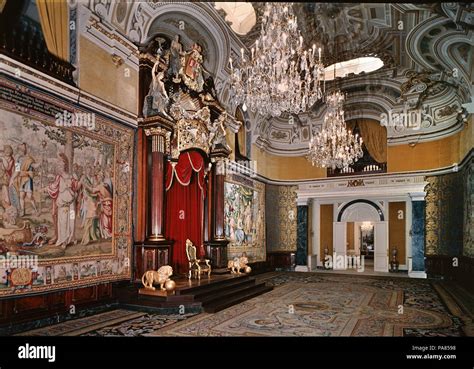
281 212
66 184
244 217
397 229
326 230
444 214
468 181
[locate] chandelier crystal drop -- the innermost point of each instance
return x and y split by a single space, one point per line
279 75
335 146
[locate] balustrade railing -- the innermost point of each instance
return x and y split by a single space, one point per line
25 42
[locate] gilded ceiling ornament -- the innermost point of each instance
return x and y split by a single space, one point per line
421 85
117 60
191 68
200 120
217 131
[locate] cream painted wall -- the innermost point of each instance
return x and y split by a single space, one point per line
99 76
285 168
466 142
433 154
424 155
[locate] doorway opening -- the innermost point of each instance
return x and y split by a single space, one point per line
361 238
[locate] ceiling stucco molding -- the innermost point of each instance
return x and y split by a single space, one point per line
135 21
371 95
105 35
430 42
183 14
368 95
386 186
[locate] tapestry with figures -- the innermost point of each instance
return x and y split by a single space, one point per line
244 214
65 197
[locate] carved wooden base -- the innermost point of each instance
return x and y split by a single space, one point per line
281 259
444 266
216 251
157 292
151 256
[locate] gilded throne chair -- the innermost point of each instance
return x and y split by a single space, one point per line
196 266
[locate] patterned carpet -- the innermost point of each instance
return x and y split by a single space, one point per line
301 304
119 322
76 327
311 304
142 326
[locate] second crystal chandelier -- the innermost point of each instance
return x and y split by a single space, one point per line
335 146
280 75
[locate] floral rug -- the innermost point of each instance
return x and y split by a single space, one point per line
311 304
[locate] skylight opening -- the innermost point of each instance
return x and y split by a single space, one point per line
355 66
241 15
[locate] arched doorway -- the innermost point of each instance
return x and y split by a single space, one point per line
349 236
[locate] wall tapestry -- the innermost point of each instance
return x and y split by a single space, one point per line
244 215
65 194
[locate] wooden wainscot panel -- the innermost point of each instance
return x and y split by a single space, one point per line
281 259
442 266
151 257
104 290
3 309
84 295
57 299
30 304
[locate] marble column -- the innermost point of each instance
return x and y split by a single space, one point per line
302 244
152 249
315 232
218 176
418 238
156 184
302 235
214 235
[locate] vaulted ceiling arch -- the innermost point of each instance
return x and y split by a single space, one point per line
420 44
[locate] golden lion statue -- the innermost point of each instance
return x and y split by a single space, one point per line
162 275
238 263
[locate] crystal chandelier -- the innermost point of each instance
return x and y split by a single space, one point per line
279 75
334 146
366 226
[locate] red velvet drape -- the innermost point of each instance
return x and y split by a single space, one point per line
185 184
188 163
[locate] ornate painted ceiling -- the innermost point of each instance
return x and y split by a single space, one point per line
427 51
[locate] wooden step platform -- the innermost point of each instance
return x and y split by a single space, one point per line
213 293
